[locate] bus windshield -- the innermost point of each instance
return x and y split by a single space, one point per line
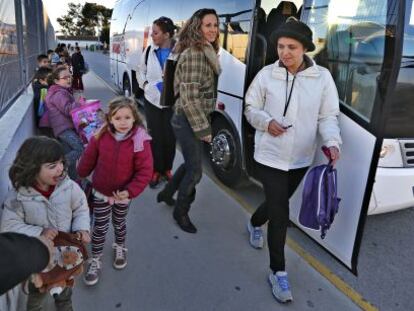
400 122
408 45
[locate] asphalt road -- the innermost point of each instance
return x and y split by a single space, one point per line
386 274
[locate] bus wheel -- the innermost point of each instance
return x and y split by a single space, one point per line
126 86
225 154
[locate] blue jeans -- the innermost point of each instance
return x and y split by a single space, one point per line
73 147
188 175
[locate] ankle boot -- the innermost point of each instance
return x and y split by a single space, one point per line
184 221
163 196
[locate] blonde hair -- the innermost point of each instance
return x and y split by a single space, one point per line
191 35
113 107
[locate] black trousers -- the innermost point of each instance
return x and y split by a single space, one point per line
163 139
278 187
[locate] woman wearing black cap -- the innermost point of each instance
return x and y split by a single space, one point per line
288 103
150 72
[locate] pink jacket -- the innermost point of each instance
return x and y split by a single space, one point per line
118 165
60 102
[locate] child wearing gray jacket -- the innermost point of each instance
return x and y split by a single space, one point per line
44 201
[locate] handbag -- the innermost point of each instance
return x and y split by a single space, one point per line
168 98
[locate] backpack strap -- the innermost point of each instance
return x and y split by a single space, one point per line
147 54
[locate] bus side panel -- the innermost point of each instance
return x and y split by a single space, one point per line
357 148
234 109
122 69
233 71
134 41
231 81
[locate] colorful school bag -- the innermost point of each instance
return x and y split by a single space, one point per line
42 104
42 111
88 118
320 201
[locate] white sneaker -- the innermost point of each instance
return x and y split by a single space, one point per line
120 260
256 235
280 286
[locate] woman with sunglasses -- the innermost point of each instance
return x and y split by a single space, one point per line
150 73
59 103
195 85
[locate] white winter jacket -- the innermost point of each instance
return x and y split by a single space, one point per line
152 73
27 211
314 106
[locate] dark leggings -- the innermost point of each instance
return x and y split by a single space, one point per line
278 187
163 139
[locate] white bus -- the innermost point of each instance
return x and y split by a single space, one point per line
368 46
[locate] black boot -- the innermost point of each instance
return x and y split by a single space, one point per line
163 196
184 221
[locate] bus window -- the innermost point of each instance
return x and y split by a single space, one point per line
10 80
277 12
170 9
349 38
234 21
234 33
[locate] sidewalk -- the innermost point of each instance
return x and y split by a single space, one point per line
215 269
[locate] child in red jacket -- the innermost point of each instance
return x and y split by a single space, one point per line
120 156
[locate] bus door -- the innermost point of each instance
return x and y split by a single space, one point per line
359 41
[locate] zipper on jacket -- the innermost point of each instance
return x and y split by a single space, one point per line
116 156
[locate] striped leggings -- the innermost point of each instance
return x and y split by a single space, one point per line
102 211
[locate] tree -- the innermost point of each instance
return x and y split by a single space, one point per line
87 20
98 18
69 22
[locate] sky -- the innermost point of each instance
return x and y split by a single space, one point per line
57 8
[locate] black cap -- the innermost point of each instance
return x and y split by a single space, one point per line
296 30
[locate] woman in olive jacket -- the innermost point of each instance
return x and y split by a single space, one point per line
195 83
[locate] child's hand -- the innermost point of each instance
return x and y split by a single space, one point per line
85 236
49 233
50 246
121 195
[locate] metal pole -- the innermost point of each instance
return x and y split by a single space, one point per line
20 43
40 27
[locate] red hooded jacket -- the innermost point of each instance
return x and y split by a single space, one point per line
116 164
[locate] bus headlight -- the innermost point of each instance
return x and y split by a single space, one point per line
390 154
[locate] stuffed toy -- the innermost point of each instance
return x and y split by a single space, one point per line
70 253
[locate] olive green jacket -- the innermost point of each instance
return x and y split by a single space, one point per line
195 80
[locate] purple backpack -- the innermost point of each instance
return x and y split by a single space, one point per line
320 202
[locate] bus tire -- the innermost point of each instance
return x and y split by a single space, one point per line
225 153
126 85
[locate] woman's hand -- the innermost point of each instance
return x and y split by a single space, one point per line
50 247
333 154
207 138
275 129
